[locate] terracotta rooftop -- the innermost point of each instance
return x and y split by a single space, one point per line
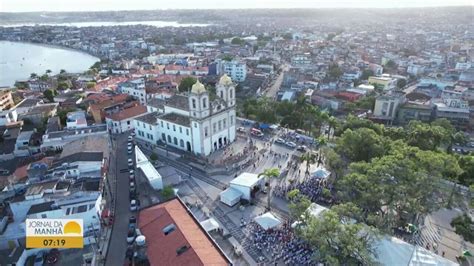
162 249
129 113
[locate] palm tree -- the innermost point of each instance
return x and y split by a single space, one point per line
270 174
48 71
62 71
332 122
309 158
33 75
321 142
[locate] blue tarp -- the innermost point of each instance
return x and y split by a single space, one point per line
264 126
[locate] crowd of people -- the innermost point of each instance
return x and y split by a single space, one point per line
309 186
279 244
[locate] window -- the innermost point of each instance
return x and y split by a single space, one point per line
128 122
231 120
194 103
175 140
214 127
144 126
205 132
181 250
219 125
174 128
68 211
222 94
168 229
195 125
204 103
231 93
44 216
181 143
168 125
224 122
149 127
161 123
180 130
82 208
163 137
169 139
187 132
138 123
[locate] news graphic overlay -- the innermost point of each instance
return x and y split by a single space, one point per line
54 233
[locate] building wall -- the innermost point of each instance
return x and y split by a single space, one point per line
146 132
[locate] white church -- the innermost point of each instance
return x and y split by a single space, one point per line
191 121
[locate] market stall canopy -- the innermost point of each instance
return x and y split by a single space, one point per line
267 221
210 225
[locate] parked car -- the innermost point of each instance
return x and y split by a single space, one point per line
130 162
129 150
131 235
241 129
131 177
280 141
130 138
133 205
290 144
302 148
132 220
132 185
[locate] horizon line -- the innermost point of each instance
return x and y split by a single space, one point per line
243 8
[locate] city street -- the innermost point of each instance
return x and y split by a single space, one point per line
118 244
271 92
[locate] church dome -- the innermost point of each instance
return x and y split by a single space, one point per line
225 80
198 88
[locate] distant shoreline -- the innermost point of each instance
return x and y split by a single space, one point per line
54 46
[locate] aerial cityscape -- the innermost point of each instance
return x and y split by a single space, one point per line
264 133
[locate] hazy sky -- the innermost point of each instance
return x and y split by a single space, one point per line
100 5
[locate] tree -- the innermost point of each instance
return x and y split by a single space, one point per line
288 36
425 136
405 182
33 75
167 193
466 162
464 226
48 71
237 41
298 205
309 158
361 144
227 57
401 83
186 83
332 123
153 157
49 94
366 74
62 71
334 72
339 243
334 161
44 77
63 115
269 174
63 85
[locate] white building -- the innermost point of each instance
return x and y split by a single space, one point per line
149 171
191 121
415 69
122 121
76 120
236 70
134 88
386 106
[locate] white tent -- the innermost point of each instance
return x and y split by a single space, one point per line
393 251
230 196
210 225
267 221
321 173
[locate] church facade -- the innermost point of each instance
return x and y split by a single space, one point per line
191 121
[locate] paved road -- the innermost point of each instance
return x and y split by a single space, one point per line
272 91
118 243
